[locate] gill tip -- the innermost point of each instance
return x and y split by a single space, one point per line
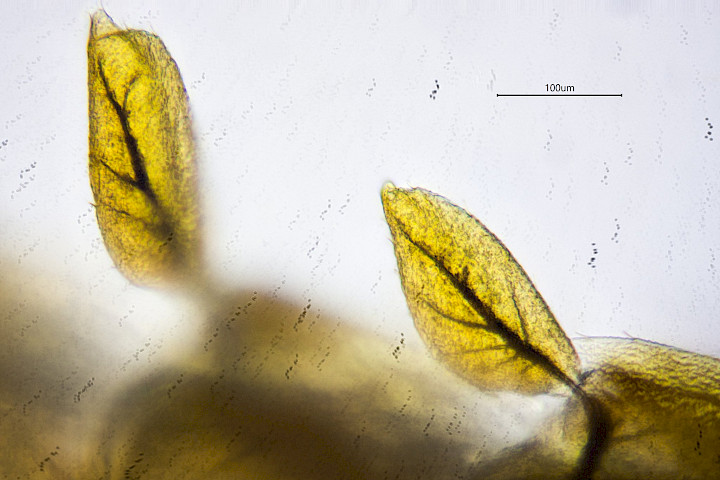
101 24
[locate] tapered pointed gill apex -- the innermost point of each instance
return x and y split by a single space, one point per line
389 195
388 189
101 24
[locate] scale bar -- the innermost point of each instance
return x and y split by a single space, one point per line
559 94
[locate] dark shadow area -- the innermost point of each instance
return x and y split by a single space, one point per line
286 392
46 375
271 389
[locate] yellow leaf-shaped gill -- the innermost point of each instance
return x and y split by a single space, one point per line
663 404
141 154
473 304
